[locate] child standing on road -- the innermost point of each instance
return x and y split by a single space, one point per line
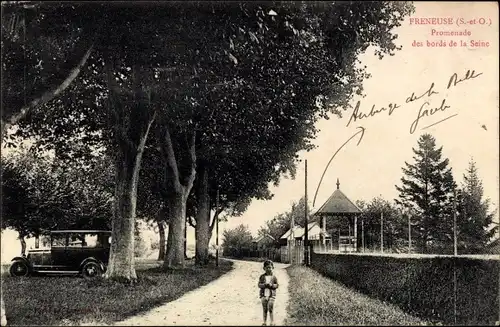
268 283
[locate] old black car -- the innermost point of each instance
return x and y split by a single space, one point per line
84 252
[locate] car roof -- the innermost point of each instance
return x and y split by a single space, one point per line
80 231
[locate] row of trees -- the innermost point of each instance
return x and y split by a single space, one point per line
431 198
237 242
40 194
428 199
188 100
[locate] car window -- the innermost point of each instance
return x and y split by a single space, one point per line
77 240
104 240
92 240
58 239
45 240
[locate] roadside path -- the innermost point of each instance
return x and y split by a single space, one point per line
233 300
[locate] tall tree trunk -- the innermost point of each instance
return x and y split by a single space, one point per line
122 259
180 182
202 231
175 255
23 244
132 122
162 245
122 262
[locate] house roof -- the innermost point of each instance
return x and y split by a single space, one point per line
338 204
261 237
298 231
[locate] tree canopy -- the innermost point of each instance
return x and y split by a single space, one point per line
428 188
474 215
40 194
225 86
236 241
280 224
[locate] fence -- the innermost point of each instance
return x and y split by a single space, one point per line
268 253
292 254
295 254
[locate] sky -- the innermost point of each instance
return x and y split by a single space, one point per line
373 167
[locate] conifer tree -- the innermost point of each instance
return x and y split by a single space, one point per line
428 188
474 217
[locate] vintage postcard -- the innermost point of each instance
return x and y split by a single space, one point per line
250 163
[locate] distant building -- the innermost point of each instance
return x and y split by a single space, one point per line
339 207
314 235
263 242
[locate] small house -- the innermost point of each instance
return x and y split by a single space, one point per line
263 242
289 244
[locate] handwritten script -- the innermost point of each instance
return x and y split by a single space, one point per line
426 109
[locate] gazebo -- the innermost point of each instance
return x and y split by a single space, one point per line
338 206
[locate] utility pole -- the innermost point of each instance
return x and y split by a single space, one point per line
455 251
382 232
217 228
306 233
291 247
185 238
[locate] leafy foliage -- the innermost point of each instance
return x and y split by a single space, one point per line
41 43
474 216
247 86
394 224
40 194
279 224
260 110
428 189
236 240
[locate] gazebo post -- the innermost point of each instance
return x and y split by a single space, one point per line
339 239
340 207
363 234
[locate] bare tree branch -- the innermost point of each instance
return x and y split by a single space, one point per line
216 216
192 157
49 94
169 154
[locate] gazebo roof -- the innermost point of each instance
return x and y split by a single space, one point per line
338 204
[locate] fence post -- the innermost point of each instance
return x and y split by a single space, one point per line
455 290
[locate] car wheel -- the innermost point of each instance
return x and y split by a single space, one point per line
19 269
91 269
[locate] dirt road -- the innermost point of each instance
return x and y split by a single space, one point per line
230 300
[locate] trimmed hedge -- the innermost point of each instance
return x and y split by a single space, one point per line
423 286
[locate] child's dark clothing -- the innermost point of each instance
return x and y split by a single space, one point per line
269 292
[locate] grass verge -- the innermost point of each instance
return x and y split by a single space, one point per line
318 300
76 301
